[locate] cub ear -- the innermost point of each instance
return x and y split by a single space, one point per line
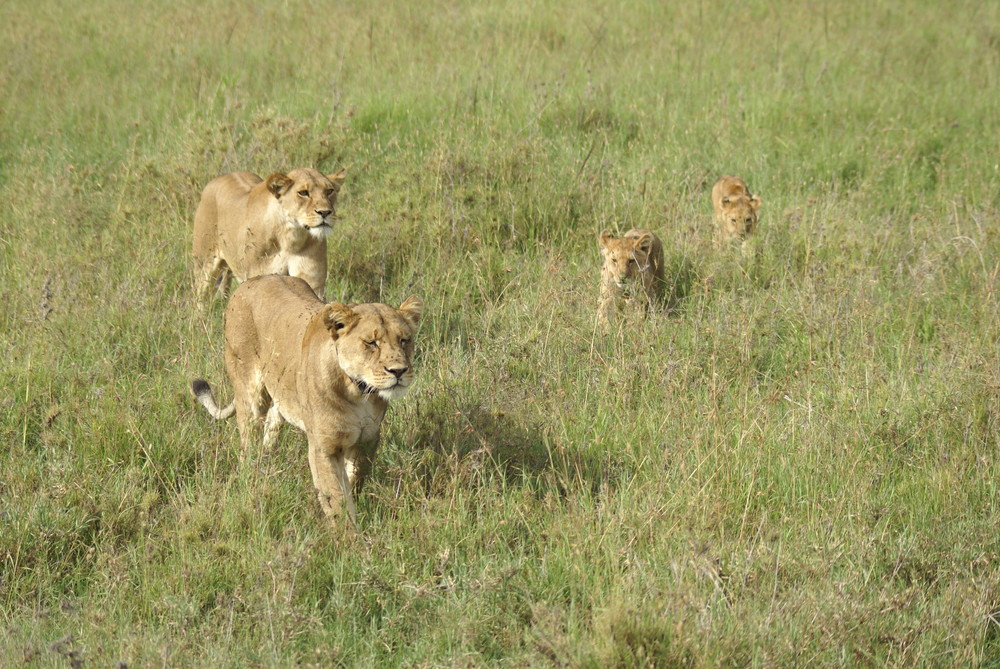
279 184
411 308
339 319
645 242
605 237
337 178
755 202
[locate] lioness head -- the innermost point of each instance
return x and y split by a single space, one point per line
625 258
375 344
740 214
308 199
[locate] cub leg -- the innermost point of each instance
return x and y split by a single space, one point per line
607 305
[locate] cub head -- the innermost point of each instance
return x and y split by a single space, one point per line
625 258
740 214
375 344
308 199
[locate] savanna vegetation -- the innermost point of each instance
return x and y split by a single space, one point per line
793 461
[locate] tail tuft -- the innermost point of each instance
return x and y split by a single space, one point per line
203 391
200 387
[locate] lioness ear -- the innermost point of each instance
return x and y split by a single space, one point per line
411 308
605 237
279 184
337 178
339 318
755 202
645 242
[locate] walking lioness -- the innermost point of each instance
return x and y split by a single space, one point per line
328 369
246 226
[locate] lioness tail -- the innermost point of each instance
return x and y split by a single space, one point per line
203 392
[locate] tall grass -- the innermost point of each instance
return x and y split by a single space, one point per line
794 463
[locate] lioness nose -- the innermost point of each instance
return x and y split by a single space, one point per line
397 371
323 213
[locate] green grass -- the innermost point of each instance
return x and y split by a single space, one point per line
795 464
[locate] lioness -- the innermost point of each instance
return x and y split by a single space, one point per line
328 369
633 268
245 226
735 210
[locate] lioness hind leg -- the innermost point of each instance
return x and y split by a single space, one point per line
248 425
214 278
272 423
252 405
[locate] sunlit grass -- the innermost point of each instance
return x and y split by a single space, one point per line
792 463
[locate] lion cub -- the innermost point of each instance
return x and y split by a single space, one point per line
735 210
633 269
328 369
246 226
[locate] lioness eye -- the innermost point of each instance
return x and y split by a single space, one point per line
304 193
371 344
329 192
404 342
631 261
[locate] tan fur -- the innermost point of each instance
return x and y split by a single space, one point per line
633 269
246 226
328 369
735 210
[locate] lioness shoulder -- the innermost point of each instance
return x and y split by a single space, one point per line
328 369
632 269
735 210
246 226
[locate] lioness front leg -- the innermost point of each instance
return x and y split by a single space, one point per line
358 463
330 478
311 269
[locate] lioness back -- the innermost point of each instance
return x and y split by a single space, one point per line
246 226
633 268
735 210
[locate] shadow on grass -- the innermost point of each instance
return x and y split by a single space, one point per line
681 278
471 445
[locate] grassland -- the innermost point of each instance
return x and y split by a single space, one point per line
796 465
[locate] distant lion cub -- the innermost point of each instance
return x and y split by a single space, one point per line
633 269
735 210
247 226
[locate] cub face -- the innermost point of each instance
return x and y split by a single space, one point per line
375 344
626 258
739 215
308 199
